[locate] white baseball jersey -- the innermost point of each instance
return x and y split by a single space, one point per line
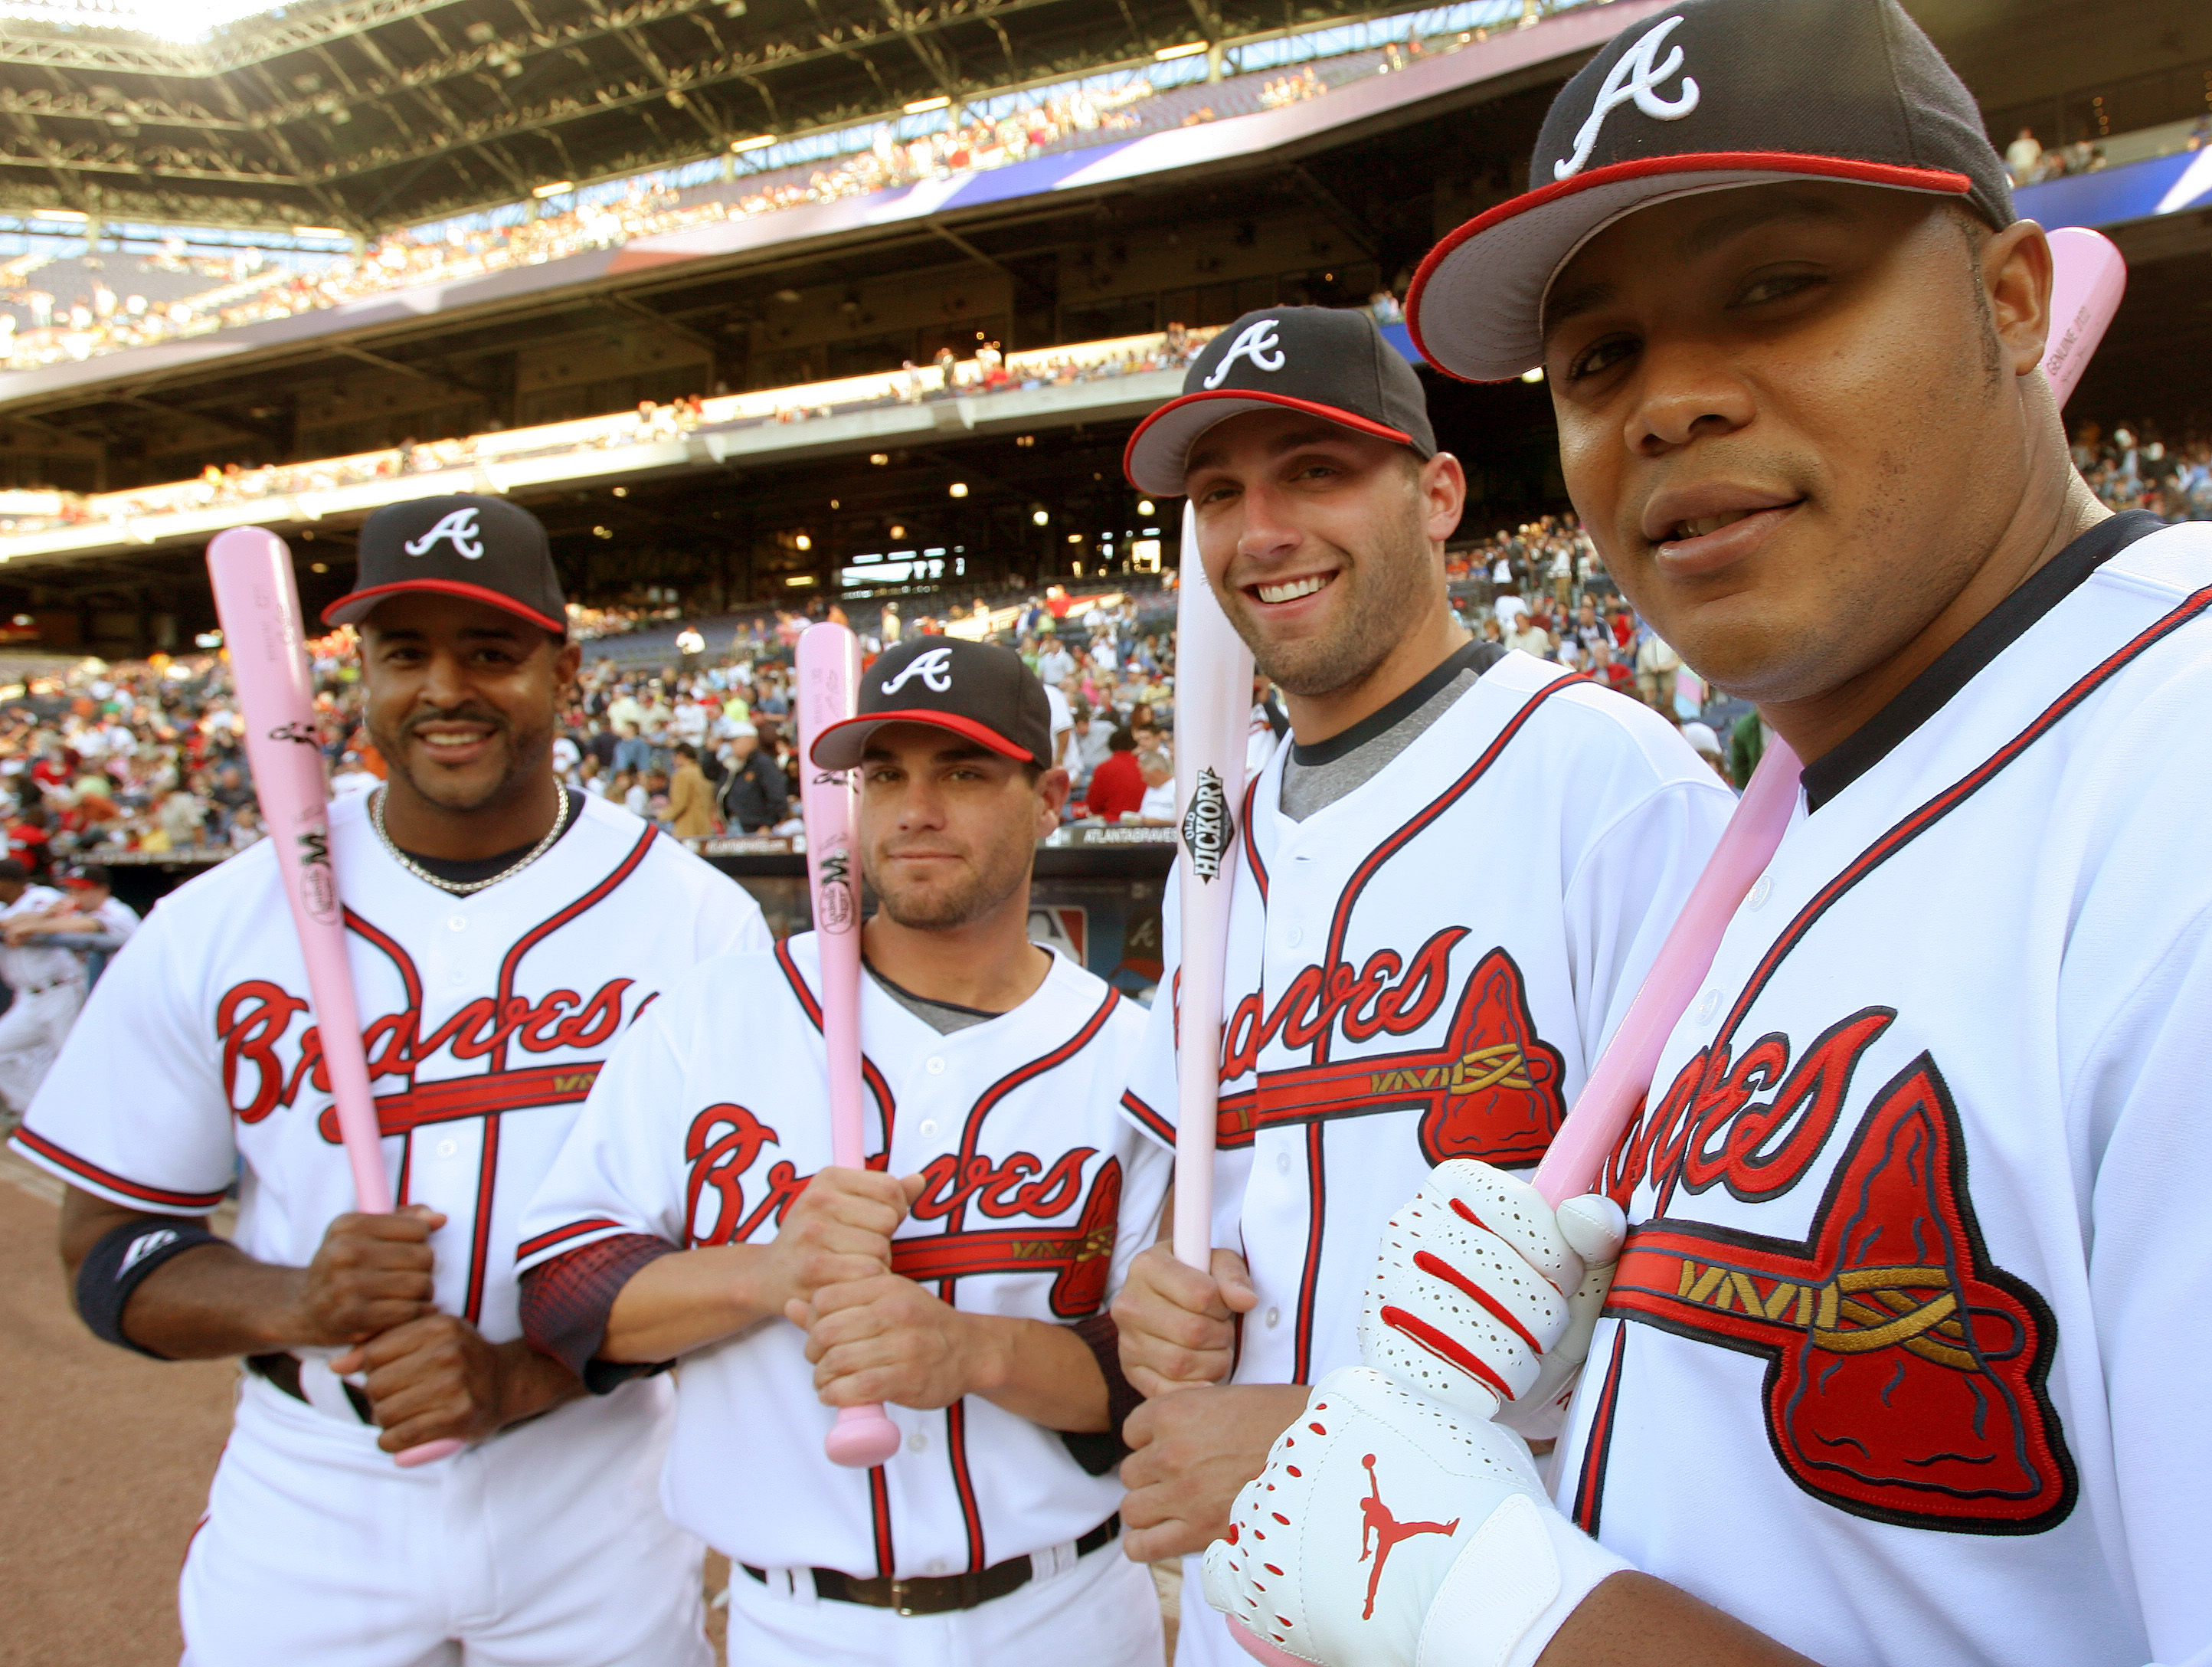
1039 1195
486 1019
1899 1365
1425 969
36 962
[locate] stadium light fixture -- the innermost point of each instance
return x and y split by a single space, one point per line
1144 506
879 459
74 216
798 579
556 188
959 489
1188 49
758 141
923 106
1075 537
803 543
898 532
1039 516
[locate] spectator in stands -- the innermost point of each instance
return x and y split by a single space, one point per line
633 753
1117 786
755 797
1158 803
691 814
1656 666
1528 636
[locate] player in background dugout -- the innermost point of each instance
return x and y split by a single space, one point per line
504 931
1896 1369
962 1277
1450 882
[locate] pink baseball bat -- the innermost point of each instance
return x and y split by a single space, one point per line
829 680
258 607
1213 722
2088 277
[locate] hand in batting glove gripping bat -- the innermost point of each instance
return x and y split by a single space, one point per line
1400 1523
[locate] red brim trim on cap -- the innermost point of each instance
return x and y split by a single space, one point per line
349 608
1343 418
1782 163
859 729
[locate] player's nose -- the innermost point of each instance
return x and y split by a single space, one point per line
1686 390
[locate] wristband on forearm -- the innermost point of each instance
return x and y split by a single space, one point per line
122 1261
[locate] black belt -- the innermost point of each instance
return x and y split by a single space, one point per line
940 1594
283 1371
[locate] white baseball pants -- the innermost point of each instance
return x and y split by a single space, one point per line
31 1033
545 1547
1103 1612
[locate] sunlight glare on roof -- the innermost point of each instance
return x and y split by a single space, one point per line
174 20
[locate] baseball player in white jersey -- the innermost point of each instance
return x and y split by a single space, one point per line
961 1277
48 986
504 933
1450 881
1896 1366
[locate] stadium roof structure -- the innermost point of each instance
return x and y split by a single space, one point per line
364 114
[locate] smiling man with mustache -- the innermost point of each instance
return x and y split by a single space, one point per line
1896 1365
1451 883
504 932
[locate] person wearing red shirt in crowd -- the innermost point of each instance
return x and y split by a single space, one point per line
27 839
1117 786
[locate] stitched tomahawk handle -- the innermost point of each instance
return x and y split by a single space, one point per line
258 607
828 668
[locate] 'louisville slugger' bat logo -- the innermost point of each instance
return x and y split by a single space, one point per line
834 896
1207 827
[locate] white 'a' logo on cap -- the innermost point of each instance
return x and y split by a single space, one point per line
935 668
1256 342
460 526
1634 75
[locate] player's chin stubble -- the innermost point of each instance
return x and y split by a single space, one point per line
1386 591
927 909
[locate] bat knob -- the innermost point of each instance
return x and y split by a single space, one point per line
862 1437
1259 1650
428 1453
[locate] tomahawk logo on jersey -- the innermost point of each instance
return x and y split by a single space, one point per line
1038 1194
1912 1257
1425 969
481 1045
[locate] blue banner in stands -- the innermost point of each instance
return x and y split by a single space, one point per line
2134 190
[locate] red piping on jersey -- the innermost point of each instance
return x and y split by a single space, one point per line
1153 1120
409 979
487 1183
1588 1499
1252 845
512 961
1341 923
886 1107
546 1241
1316 1230
193 1203
879 1511
988 1101
454 1099
956 1442
1589 1485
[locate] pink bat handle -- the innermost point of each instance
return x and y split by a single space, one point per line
829 679
2088 278
1213 720
258 607
1623 1075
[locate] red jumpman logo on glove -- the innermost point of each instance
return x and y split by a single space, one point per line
1381 1530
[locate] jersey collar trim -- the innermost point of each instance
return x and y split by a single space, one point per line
1388 717
1965 659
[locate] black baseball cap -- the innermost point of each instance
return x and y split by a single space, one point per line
978 690
1330 360
459 544
1706 95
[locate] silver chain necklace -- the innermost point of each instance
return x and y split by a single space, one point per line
462 888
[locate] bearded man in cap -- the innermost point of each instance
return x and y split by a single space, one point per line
505 932
1450 882
1895 1367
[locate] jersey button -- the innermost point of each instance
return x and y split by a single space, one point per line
1760 893
928 1128
1283 1162
458 922
935 1066
936 1566
447 1148
917 1443
1294 937
1274 1318
1707 1002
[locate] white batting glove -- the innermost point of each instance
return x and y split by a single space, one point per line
1484 1300
1385 1532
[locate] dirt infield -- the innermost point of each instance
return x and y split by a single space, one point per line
110 1457
108 1463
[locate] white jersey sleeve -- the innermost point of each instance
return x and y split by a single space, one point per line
149 1123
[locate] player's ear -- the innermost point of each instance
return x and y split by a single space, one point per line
2016 275
1443 493
1053 787
568 659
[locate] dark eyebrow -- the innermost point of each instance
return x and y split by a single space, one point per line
1318 434
1702 238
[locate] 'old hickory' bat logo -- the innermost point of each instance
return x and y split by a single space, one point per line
1207 826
